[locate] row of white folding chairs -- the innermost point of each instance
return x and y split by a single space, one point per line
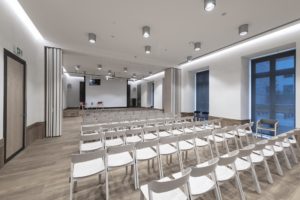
248 157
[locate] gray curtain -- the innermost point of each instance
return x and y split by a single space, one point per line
53 69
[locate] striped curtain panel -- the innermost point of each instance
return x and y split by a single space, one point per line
53 69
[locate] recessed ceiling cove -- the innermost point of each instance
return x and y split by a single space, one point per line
175 26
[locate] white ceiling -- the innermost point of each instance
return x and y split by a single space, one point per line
174 24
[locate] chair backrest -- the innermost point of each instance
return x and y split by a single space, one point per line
165 186
229 159
168 140
78 158
204 133
167 127
200 123
246 151
120 149
132 132
186 137
115 134
150 130
151 143
202 170
95 137
177 126
260 145
190 125
272 140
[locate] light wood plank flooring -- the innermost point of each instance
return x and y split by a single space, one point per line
41 172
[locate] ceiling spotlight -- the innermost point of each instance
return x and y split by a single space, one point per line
243 29
109 73
133 75
125 69
92 38
146 31
150 73
99 67
147 49
209 5
77 67
197 46
189 58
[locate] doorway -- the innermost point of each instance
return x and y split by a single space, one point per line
202 92
14 105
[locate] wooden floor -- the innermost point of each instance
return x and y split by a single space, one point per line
41 172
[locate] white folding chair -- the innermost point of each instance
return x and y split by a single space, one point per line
203 179
86 165
187 143
218 137
146 152
134 135
167 189
292 138
91 142
202 141
177 129
226 170
121 156
286 144
244 163
189 127
114 138
150 133
167 147
258 158
165 131
278 148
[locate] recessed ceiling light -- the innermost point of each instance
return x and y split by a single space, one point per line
209 5
146 31
150 73
243 29
92 38
125 69
99 67
147 49
189 58
197 46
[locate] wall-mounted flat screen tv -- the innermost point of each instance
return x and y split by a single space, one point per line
95 82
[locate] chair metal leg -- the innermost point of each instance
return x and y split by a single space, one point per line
239 184
287 161
293 153
255 180
278 166
267 169
180 160
106 185
71 188
137 175
159 168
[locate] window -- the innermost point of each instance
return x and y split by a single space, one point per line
202 91
273 89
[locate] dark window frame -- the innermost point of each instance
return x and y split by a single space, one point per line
272 75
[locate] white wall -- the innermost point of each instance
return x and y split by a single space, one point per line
144 95
158 91
14 33
113 93
229 74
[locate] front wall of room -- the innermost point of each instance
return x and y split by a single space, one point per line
113 93
229 77
14 33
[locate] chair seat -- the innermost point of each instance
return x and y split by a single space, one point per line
199 185
199 128
114 142
184 145
119 159
91 146
266 152
176 194
145 154
255 158
177 132
150 136
188 130
166 149
224 173
242 164
217 139
284 144
217 126
276 148
88 168
200 142
163 134
292 141
226 135
133 139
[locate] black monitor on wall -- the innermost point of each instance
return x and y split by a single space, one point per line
95 82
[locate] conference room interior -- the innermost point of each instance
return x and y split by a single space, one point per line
123 100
